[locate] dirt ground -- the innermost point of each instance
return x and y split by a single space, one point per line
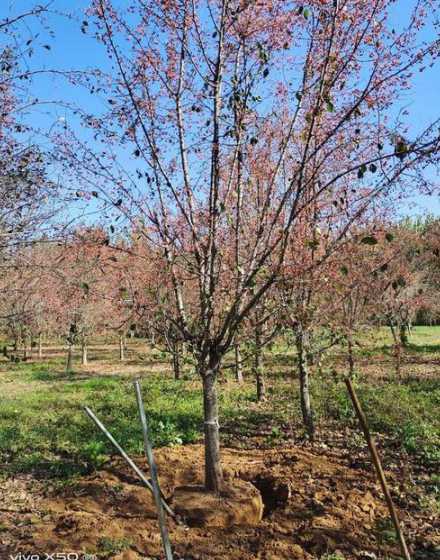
314 505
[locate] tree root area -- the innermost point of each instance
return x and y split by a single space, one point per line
312 506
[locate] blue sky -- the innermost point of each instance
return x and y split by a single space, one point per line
69 48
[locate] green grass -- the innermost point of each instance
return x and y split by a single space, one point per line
107 546
407 412
421 340
43 426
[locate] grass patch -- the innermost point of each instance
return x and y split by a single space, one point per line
46 428
108 546
43 426
407 412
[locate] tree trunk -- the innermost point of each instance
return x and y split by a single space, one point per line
84 360
403 333
258 365
238 365
350 355
40 345
397 350
31 346
213 472
177 367
25 349
121 347
398 359
69 364
304 384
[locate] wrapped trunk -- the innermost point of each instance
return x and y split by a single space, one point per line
213 472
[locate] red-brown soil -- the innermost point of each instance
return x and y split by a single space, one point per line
313 505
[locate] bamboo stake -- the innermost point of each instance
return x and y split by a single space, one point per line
378 466
154 478
136 469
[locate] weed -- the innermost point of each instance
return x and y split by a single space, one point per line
275 437
385 531
108 546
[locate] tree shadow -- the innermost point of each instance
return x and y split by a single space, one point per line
423 348
419 384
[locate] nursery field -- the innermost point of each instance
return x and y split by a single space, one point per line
64 489
208 213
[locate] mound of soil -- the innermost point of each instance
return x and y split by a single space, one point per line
312 506
240 503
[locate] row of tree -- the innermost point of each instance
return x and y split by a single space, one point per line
255 152
95 284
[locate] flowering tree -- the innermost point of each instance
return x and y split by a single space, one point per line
381 281
82 294
428 230
25 191
239 118
27 297
401 289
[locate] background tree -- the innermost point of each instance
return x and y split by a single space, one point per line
26 193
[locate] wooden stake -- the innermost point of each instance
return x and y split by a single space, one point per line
154 478
378 466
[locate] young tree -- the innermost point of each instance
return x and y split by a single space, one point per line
361 269
428 262
402 288
240 117
305 292
85 303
